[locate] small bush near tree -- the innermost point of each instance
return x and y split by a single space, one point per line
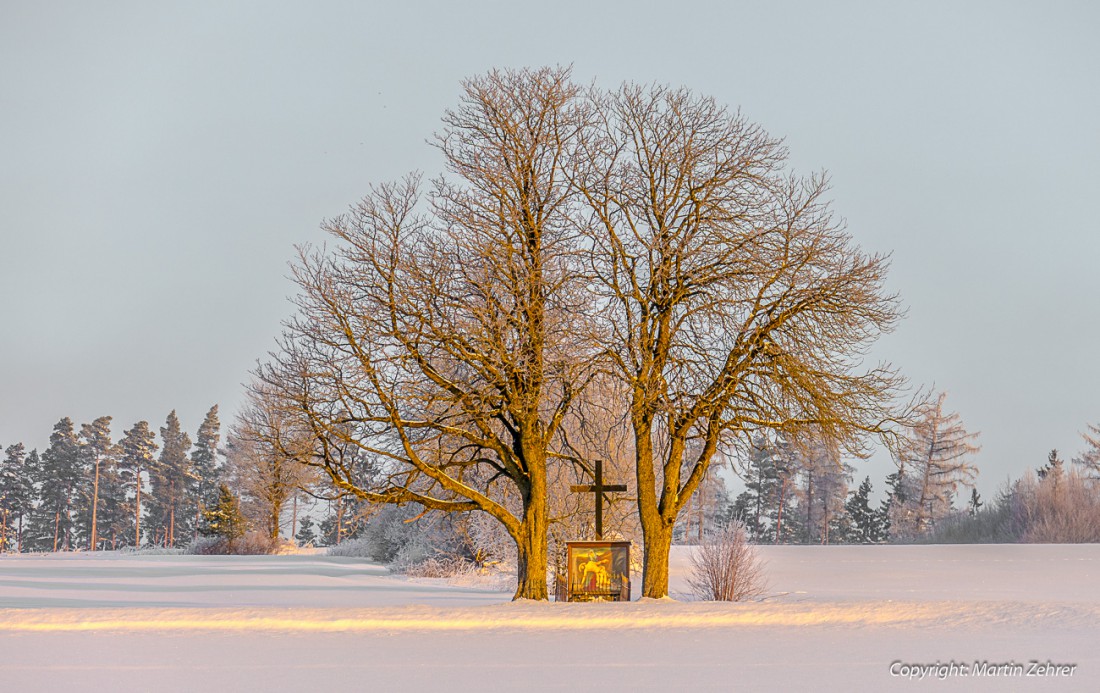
725 567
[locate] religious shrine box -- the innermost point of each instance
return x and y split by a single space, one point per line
597 571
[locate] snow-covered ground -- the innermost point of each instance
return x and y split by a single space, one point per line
836 618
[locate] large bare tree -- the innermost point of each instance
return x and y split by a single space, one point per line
441 336
732 299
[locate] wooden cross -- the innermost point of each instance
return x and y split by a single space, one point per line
598 488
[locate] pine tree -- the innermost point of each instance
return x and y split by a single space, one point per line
16 496
204 464
866 522
52 521
224 518
97 453
169 480
136 451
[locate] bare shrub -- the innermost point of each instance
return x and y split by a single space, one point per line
440 567
251 544
1059 509
725 567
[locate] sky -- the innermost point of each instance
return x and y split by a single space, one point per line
159 162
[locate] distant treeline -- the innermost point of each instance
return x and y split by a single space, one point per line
86 491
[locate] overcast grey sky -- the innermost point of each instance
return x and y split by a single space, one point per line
158 162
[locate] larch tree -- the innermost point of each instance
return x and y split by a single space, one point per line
443 337
732 300
1089 460
136 450
935 457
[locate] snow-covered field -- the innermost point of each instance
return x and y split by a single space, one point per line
836 618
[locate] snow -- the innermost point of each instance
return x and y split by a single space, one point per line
835 618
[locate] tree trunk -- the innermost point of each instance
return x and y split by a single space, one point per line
95 504
170 539
56 527
137 515
276 511
658 542
531 549
294 518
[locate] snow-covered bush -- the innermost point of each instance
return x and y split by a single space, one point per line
405 538
725 567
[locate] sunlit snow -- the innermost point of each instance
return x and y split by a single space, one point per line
836 617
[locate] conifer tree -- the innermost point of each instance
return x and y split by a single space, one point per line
52 522
97 453
975 503
169 481
136 450
16 496
224 518
32 473
753 505
306 534
1054 466
1090 458
866 522
204 464
936 451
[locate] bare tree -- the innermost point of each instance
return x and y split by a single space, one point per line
446 344
934 454
267 461
734 301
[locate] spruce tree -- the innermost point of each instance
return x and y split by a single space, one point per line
204 465
136 450
31 476
866 522
224 518
170 479
306 534
16 496
975 503
52 521
1054 466
754 505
